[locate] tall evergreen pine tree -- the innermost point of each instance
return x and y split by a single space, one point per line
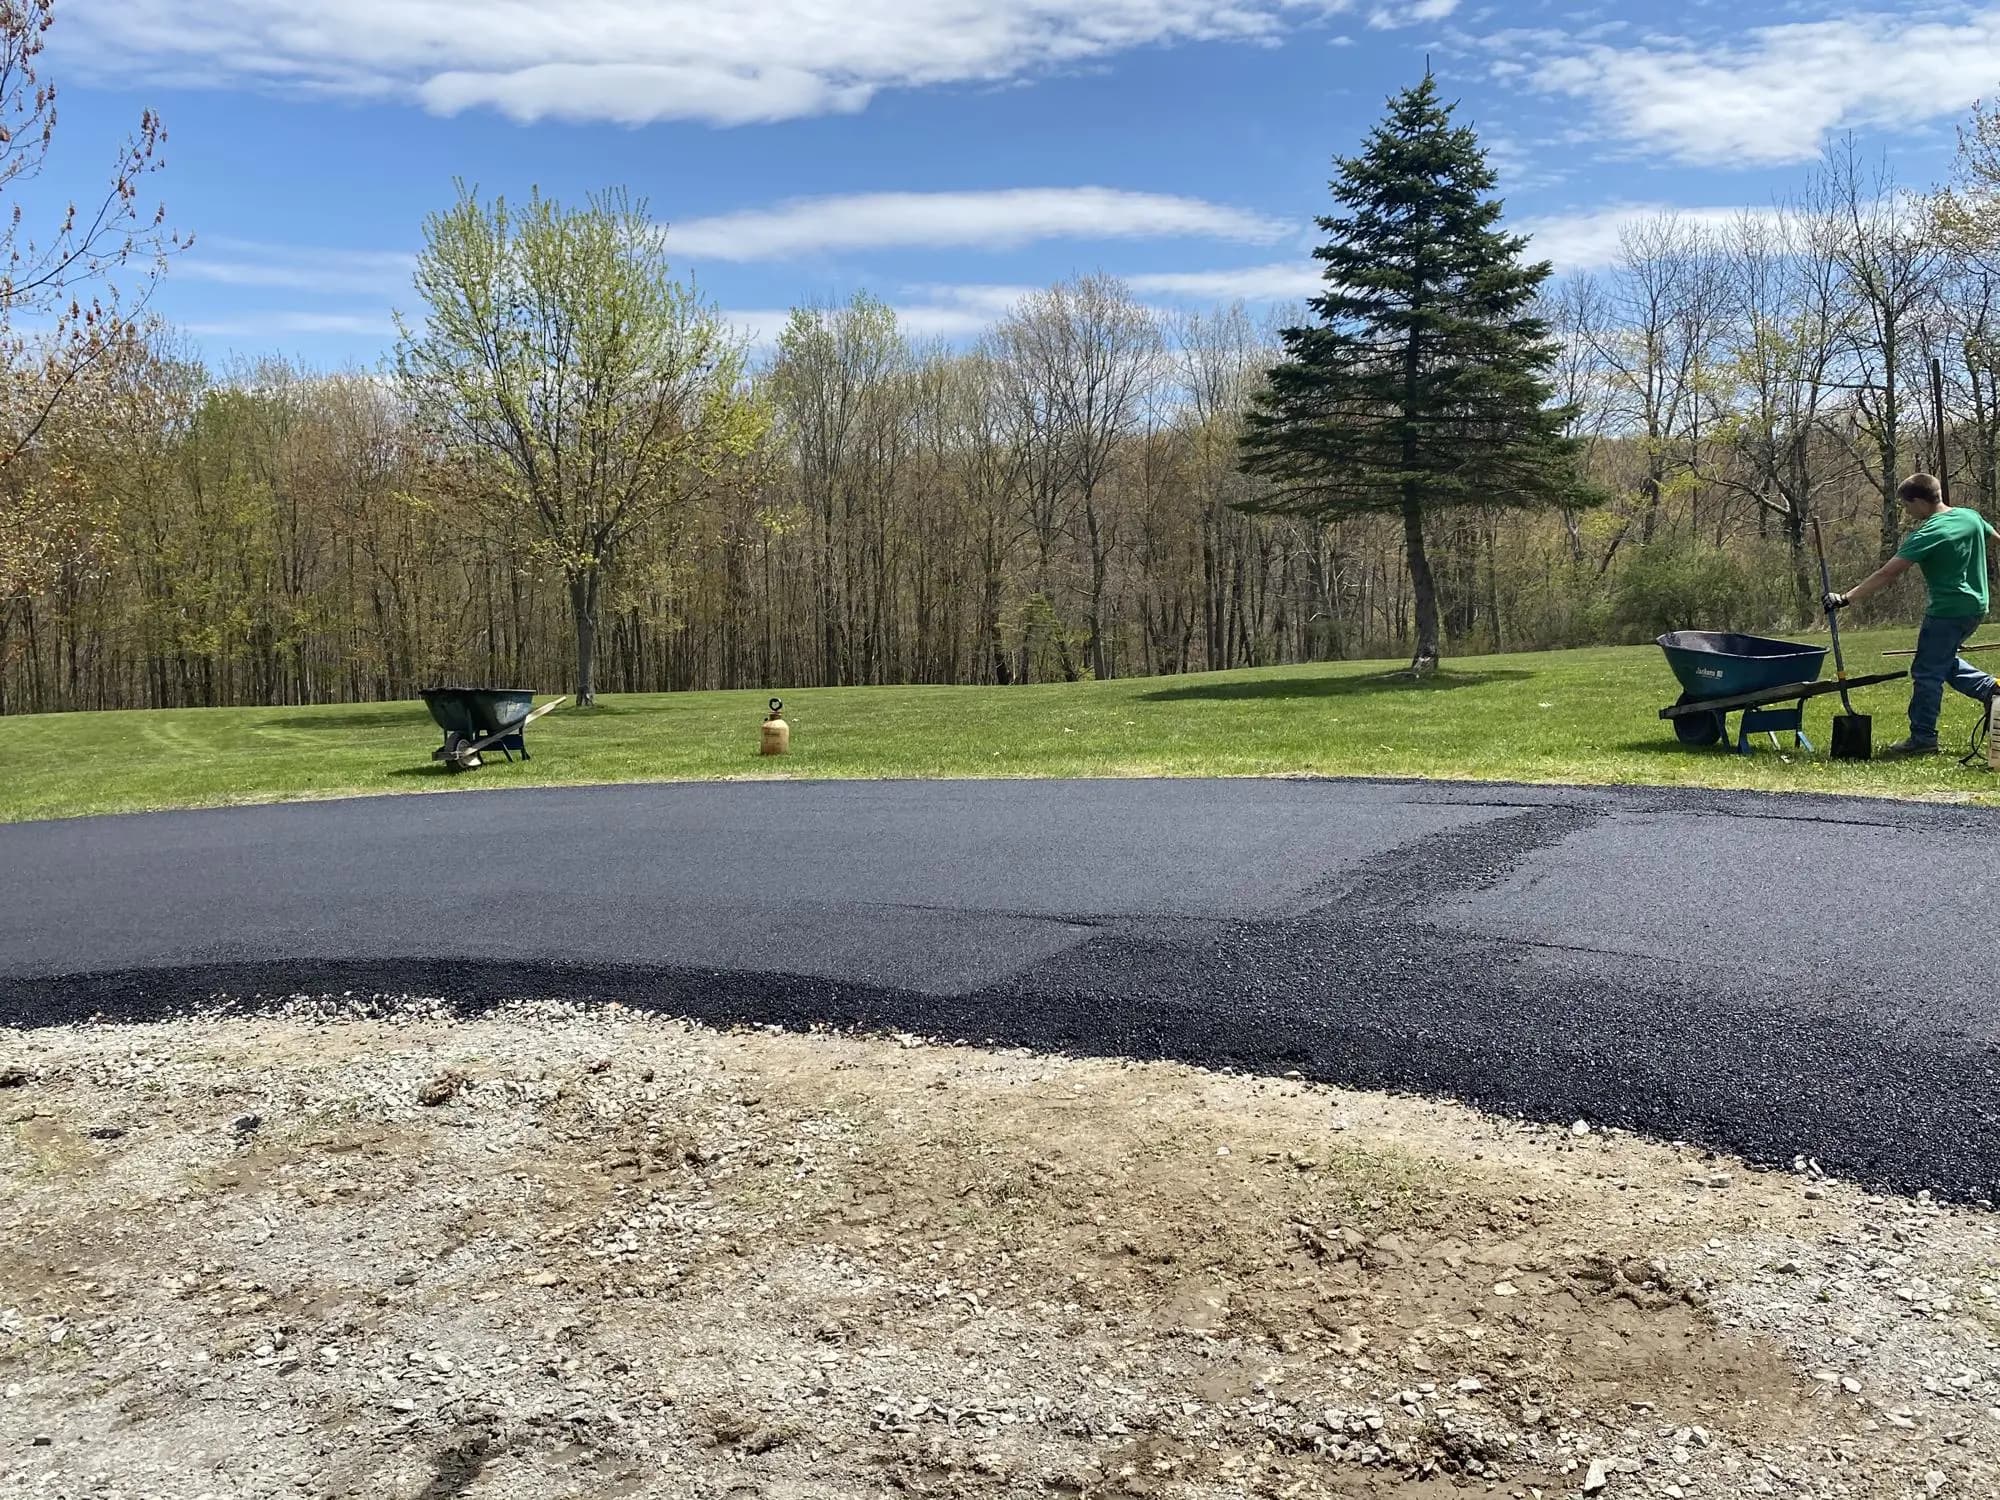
1422 385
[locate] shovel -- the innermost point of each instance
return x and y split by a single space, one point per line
1853 733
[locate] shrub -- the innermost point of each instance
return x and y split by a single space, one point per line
1679 584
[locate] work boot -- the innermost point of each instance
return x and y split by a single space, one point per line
1911 746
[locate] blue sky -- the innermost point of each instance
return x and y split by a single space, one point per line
945 153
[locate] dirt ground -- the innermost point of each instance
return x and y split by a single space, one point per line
559 1252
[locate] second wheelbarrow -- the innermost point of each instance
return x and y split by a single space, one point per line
477 719
1725 672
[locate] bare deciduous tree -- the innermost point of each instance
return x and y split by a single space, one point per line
1655 344
1891 266
1576 316
1217 360
840 381
1778 415
1084 357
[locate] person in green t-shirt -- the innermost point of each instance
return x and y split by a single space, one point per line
1948 543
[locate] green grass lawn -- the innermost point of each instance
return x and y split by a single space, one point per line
1563 716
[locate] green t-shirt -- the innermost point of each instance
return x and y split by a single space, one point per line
1951 549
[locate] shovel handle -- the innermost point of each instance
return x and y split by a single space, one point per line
1937 412
1962 650
1832 624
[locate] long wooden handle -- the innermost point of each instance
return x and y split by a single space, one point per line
1832 618
1962 650
1937 407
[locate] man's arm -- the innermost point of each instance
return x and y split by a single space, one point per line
1873 584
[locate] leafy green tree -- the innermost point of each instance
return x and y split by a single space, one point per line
571 382
1423 384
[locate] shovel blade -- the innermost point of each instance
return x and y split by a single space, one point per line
1853 737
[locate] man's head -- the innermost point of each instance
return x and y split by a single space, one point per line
1921 495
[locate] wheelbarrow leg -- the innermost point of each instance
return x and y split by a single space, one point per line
1771 721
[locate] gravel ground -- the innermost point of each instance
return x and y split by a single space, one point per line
367 1249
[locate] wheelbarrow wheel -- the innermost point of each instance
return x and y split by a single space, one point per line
1698 729
458 753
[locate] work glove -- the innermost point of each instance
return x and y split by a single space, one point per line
1834 601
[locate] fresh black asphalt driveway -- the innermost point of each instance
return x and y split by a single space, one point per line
1777 975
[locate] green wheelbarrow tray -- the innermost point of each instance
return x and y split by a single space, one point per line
1728 663
476 711
482 718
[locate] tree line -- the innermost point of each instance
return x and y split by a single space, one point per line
574 477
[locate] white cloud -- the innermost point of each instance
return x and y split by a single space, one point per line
1281 281
639 93
254 263
1412 13
962 310
1004 219
1583 241
1589 240
758 327
635 61
1518 165
1774 98
957 314
991 300
921 321
263 325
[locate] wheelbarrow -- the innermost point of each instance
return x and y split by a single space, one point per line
479 719
1723 672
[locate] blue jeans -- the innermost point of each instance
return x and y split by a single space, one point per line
1937 663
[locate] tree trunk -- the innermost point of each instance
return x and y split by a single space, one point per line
1804 581
993 649
1423 589
1651 487
1100 571
1211 589
583 611
1422 586
1889 441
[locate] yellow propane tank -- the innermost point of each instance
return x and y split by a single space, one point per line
777 733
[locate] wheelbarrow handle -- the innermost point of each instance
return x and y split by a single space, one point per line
1962 650
476 746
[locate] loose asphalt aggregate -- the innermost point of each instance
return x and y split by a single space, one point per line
1774 975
